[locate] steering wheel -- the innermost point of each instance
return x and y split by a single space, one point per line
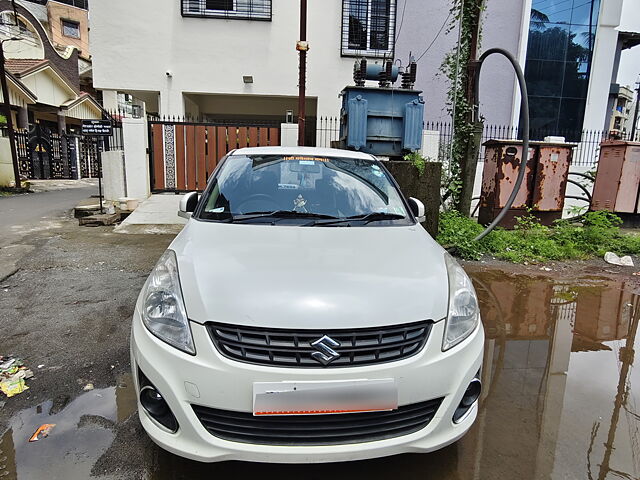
262 202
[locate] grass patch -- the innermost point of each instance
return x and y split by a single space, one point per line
530 241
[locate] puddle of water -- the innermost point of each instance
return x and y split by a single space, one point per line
83 432
558 403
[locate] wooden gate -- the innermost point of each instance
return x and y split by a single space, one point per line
184 154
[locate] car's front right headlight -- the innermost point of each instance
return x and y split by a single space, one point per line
163 310
464 313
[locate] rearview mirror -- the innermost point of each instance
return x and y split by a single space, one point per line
417 208
188 204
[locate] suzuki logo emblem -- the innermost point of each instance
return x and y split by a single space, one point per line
325 350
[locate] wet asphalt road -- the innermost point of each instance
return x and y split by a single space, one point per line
560 398
27 209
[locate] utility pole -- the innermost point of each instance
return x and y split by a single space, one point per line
302 46
635 114
7 114
468 162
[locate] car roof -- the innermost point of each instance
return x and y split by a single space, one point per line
311 151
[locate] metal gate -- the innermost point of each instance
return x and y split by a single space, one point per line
184 154
42 154
45 155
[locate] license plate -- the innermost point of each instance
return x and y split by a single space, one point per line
321 398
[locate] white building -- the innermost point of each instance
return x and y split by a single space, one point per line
235 61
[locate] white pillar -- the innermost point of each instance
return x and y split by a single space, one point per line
430 144
602 65
171 102
289 134
113 175
110 100
136 169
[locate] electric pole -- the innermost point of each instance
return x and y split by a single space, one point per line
7 114
469 159
302 46
635 114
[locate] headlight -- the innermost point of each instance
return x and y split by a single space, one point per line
163 310
464 314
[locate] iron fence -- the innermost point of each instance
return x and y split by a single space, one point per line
115 141
327 131
585 154
587 142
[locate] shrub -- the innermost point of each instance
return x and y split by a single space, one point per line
530 241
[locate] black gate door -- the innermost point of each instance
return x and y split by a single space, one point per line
44 154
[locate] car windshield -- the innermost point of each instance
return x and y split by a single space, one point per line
307 190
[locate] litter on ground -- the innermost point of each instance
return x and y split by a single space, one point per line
13 374
42 432
614 259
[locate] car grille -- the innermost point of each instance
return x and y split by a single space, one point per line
292 348
317 429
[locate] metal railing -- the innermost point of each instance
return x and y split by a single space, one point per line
327 131
587 142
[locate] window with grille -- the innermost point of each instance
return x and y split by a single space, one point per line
240 9
70 29
368 27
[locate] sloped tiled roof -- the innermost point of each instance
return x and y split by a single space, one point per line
19 66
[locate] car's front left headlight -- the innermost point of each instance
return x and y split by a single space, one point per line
163 310
464 314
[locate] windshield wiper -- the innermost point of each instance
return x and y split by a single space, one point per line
366 218
280 214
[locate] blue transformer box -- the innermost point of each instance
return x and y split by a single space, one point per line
382 121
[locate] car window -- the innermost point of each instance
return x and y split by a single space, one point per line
328 186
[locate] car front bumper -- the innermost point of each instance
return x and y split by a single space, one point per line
211 380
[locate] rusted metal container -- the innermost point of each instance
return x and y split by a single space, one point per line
542 190
617 184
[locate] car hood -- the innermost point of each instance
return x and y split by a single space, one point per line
310 277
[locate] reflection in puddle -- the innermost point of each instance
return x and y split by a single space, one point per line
83 431
558 403
559 372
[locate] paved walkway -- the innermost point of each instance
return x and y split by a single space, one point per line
38 186
157 214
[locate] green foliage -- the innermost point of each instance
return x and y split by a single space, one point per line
458 232
454 68
530 241
417 160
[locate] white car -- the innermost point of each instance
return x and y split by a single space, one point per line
304 315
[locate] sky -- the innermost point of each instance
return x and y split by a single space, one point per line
630 59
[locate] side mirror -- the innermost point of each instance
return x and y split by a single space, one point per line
417 207
188 204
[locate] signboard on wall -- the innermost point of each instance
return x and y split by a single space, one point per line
102 128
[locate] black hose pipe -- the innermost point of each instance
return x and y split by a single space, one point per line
591 178
581 187
524 114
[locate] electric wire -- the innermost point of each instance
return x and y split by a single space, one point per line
570 8
446 20
537 6
404 7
